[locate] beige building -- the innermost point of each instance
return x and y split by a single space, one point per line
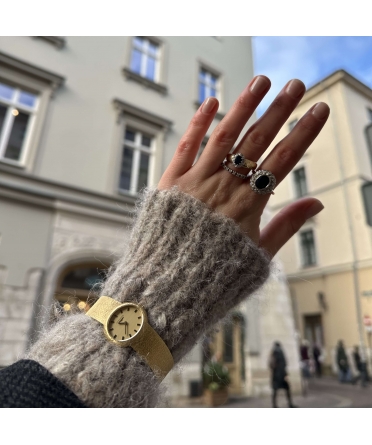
85 123
328 264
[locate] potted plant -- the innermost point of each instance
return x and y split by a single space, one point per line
216 380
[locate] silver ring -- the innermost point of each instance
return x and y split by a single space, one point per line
233 172
263 182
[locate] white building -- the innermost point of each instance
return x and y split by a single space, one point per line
85 122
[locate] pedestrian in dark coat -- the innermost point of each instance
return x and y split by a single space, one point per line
342 363
279 375
361 368
316 355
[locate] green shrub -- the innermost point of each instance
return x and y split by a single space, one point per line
215 376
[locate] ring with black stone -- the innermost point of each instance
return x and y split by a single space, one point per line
263 182
233 172
240 161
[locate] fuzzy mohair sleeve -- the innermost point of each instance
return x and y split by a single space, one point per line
188 266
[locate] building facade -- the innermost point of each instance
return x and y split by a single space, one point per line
329 262
85 123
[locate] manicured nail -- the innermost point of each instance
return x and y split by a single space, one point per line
314 209
320 110
209 105
259 86
295 88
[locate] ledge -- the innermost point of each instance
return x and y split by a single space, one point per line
218 116
55 80
59 42
130 75
127 108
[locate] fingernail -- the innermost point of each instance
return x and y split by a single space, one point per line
320 110
295 88
314 209
259 86
209 105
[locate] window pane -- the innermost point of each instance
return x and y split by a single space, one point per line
126 169
135 63
130 135
6 91
14 148
213 92
146 141
308 248
153 49
27 99
144 171
2 116
138 42
150 68
228 349
300 182
201 92
202 75
83 278
213 80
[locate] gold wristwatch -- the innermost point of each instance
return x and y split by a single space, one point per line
125 324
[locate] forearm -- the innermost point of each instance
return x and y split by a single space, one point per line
187 266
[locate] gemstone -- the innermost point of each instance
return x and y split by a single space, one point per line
238 159
262 182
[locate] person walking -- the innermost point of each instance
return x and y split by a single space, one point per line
316 356
279 375
342 363
305 366
360 367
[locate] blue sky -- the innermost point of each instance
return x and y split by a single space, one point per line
310 59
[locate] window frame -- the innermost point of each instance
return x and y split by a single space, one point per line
9 121
304 264
295 183
145 55
137 149
217 75
25 76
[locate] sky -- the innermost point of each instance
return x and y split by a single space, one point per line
310 59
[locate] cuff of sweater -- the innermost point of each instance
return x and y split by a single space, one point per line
187 265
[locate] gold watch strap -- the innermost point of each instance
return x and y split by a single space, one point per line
103 308
155 351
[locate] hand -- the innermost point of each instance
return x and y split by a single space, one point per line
232 196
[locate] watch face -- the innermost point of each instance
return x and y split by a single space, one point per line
125 322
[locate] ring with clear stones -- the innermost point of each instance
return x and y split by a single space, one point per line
233 172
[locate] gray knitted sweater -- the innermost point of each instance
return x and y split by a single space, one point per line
188 266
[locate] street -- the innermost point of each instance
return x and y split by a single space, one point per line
325 392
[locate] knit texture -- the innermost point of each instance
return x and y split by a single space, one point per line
26 384
188 266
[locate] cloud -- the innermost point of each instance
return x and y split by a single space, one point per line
310 59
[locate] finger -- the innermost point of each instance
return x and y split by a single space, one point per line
290 150
189 145
288 222
262 133
227 131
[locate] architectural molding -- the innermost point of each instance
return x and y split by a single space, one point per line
131 75
154 119
52 79
58 42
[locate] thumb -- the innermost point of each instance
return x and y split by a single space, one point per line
287 222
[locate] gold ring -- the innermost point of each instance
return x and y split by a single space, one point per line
240 161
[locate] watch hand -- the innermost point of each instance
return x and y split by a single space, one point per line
121 321
126 328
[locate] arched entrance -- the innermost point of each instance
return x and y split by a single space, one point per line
78 284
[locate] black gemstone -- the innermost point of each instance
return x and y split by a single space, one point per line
238 160
262 182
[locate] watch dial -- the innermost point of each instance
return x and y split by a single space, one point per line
125 323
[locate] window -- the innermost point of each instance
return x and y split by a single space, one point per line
369 111
145 58
308 248
136 159
300 182
17 110
208 85
292 124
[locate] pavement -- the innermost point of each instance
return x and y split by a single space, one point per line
325 392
